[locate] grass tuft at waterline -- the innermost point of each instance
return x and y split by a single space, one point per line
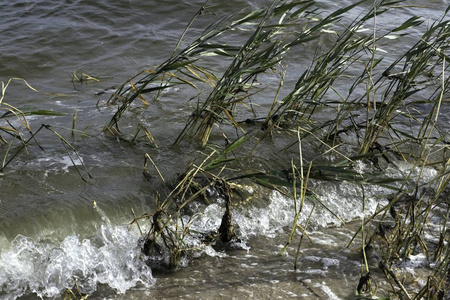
366 123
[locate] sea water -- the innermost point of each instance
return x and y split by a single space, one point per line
53 237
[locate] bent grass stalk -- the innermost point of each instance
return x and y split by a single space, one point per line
67 147
148 158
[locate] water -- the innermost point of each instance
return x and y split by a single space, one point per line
49 230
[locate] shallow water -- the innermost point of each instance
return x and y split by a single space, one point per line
49 230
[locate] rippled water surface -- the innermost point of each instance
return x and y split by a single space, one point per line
49 230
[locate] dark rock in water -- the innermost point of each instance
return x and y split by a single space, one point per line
157 257
364 284
155 247
226 229
149 247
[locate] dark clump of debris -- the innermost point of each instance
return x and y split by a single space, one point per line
167 244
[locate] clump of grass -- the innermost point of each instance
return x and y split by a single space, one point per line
404 222
372 117
422 64
179 69
261 53
166 242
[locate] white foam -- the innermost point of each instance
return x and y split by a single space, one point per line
278 215
60 162
267 221
47 268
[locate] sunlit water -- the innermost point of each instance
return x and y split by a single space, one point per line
50 232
